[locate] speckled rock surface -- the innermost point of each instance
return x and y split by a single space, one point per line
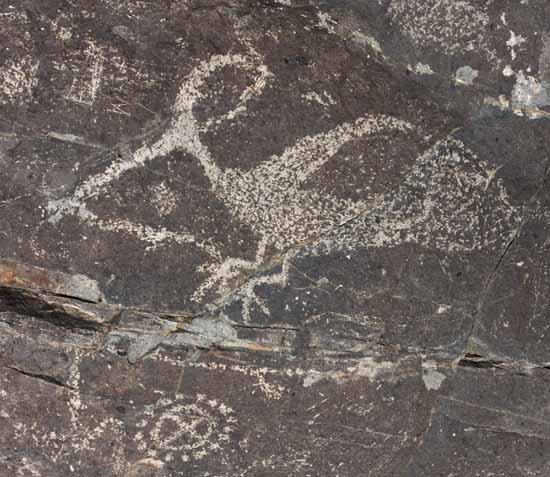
274 238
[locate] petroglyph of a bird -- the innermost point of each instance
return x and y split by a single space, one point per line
269 198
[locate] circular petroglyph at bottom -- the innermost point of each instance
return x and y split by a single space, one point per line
185 428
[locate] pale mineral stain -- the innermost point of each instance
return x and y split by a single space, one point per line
544 58
508 71
367 368
364 40
466 75
421 69
432 378
529 92
502 102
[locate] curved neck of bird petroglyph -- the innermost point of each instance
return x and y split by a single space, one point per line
185 135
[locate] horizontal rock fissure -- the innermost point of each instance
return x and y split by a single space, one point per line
42 377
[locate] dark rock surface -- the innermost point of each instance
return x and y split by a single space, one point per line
274 238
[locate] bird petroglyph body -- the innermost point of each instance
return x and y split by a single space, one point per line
272 200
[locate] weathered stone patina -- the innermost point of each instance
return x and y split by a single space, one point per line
274 238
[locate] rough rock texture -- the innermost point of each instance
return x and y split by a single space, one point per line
274 238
